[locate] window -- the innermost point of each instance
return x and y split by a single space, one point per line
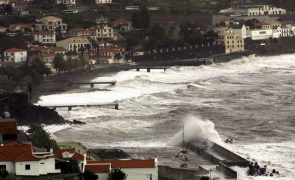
27 167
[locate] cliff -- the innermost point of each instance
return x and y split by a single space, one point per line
26 113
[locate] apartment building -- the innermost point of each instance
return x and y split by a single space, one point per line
74 44
51 23
45 37
105 32
66 2
100 2
253 10
15 55
231 41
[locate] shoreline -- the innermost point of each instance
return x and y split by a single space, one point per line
58 83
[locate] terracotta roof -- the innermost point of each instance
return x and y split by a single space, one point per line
4 157
120 22
98 168
38 48
127 163
43 33
59 153
14 152
51 18
56 49
13 143
74 40
27 157
112 49
27 25
14 50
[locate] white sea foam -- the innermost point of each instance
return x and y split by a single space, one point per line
135 84
195 129
279 156
142 85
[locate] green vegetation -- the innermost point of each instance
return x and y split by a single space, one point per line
18 41
68 166
41 138
117 174
90 175
62 65
205 178
23 76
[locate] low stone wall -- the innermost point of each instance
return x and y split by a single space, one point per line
182 173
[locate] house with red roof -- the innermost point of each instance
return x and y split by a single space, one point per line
122 24
15 55
70 154
112 55
23 160
45 37
135 169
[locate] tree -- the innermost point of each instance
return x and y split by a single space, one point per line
205 178
117 174
68 166
8 8
59 63
90 175
117 56
40 66
141 19
41 138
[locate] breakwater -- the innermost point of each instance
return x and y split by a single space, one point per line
223 158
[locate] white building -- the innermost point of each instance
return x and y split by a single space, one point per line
239 29
135 169
261 34
20 159
45 37
74 44
232 42
284 31
253 10
105 32
66 2
15 55
100 2
112 55
51 23
4 2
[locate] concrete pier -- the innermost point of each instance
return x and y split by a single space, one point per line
148 69
93 83
70 107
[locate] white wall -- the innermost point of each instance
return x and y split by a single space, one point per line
47 39
34 169
50 165
16 56
103 176
260 34
141 173
103 1
10 168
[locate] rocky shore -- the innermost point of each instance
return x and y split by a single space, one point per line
26 113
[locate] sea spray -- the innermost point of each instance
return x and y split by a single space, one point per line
195 129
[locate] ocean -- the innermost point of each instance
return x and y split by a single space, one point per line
251 99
